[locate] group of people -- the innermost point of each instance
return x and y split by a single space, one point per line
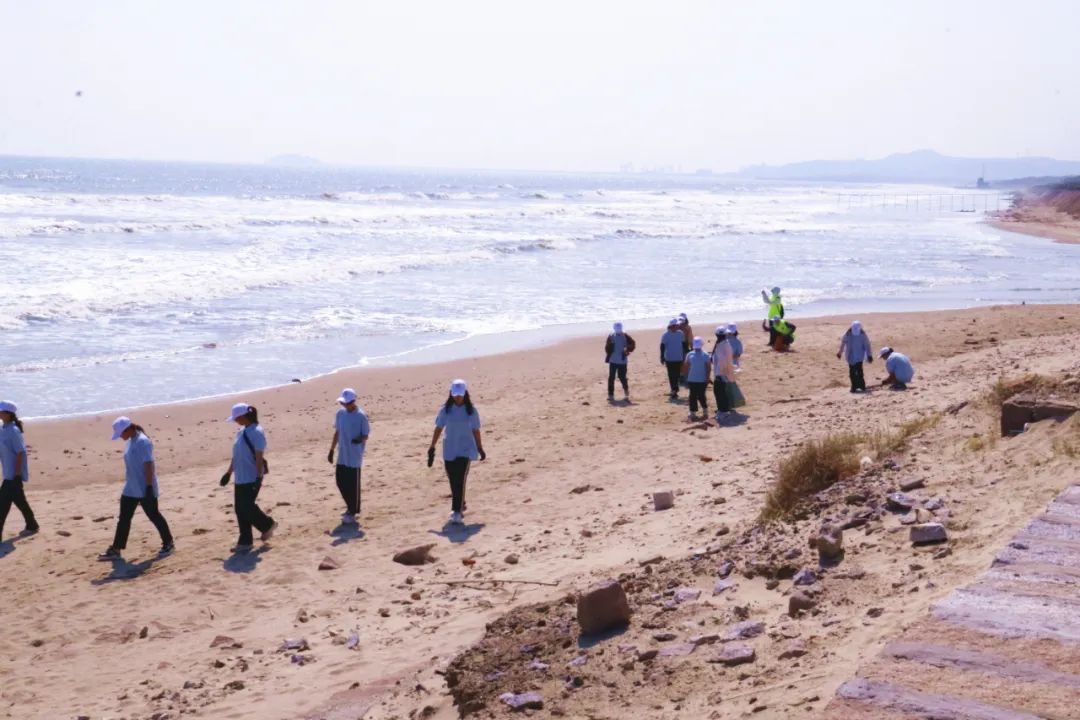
688 363
457 423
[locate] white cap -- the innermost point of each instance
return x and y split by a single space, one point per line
732 328
721 329
673 321
698 342
348 395
6 406
856 327
458 388
119 425
238 410
682 316
617 327
776 291
884 351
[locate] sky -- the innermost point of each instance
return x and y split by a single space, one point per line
554 85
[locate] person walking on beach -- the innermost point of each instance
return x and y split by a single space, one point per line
140 488
776 309
736 344
723 370
899 366
617 349
696 369
351 430
672 355
688 338
462 444
856 345
249 464
16 469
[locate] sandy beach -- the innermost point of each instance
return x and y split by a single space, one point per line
565 490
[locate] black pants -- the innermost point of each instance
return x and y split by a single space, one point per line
697 396
855 373
457 470
248 513
613 370
127 511
674 369
348 482
720 393
12 493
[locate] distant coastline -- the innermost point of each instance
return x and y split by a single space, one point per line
1049 211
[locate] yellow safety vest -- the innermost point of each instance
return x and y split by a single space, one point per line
776 307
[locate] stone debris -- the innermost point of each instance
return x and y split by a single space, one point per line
799 602
721 586
830 545
735 654
912 484
329 563
743 630
899 502
793 649
683 595
663 500
602 607
1019 410
511 559
224 641
805 577
297 644
928 533
680 650
418 555
523 701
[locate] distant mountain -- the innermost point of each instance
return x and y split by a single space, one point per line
917 166
293 161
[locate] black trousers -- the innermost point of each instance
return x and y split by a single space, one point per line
127 511
457 470
723 404
855 373
348 483
697 396
613 370
674 369
13 493
248 513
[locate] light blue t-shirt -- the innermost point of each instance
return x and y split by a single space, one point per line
671 342
458 426
243 459
899 366
857 347
351 425
139 452
697 366
11 444
736 346
618 349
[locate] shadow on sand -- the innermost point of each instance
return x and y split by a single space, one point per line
344 533
244 562
124 570
458 533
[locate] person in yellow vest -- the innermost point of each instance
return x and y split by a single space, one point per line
784 333
776 309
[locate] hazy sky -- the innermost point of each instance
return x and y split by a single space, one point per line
547 85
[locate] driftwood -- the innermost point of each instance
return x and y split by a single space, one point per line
494 580
774 686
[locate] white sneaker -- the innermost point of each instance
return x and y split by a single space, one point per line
691 417
348 519
456 519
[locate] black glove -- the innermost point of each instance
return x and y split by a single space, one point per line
358 440
430 456
18 478
225 479
483 455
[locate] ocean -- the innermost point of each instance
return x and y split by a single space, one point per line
130 283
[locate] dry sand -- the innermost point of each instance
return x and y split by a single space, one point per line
86 638
1053 217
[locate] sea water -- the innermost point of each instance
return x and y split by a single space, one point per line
128 283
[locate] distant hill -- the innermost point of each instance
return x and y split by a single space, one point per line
917 166
294 161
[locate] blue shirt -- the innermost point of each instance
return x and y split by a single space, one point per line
671 346
856 347
618 349
458 426
243 459
349 426
900 368
139 452
697 366
736 346
11 444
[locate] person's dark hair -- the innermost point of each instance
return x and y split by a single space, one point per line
252 414
17 422
138 429
468 403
